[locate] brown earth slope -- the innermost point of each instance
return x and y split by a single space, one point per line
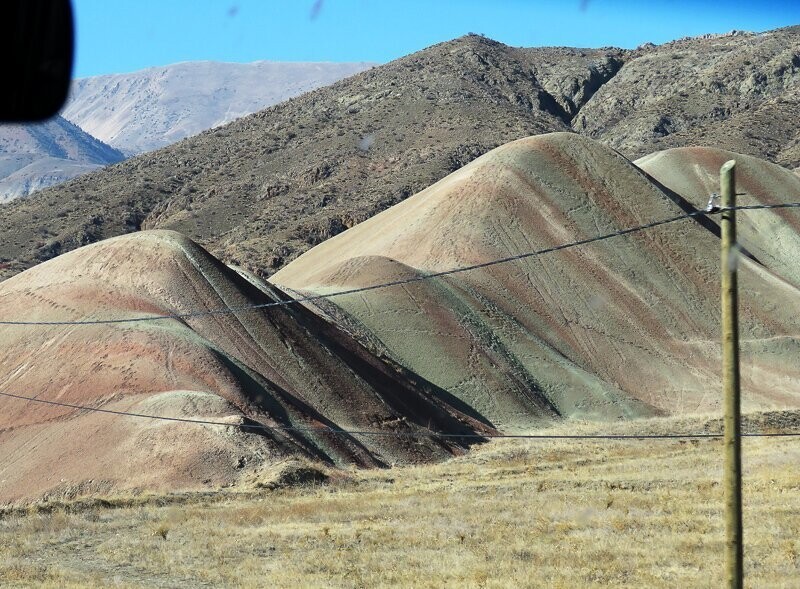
739 92
268 186
279 367
622 327
264 189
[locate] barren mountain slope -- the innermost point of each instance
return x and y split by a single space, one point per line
265 188
34 156
280 366
572 76
773 237
738 92
151 108
610 329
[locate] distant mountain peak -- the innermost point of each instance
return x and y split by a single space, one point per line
34 156
151 108
146 110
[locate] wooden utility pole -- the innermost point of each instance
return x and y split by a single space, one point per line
732 477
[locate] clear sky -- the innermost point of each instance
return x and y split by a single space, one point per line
125 35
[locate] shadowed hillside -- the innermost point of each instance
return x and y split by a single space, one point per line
279 367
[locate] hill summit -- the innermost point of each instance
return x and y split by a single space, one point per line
618 328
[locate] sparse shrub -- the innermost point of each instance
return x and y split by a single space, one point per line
161 530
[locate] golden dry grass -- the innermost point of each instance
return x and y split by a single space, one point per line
512 513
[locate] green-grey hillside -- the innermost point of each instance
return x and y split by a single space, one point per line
611 329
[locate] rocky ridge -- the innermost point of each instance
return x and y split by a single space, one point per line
265 188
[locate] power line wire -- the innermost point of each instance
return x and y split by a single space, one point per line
311 298
410 434
419 278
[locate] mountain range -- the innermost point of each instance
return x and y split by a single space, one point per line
155 107
33 156
110 117
263 189
206 275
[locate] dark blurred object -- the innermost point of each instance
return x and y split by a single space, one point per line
36 47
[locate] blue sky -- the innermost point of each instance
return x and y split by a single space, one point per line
126 35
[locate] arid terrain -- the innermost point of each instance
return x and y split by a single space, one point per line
392 435
622 328
522 513
283 368
110 117
265 188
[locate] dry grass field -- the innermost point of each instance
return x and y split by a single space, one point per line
512 513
